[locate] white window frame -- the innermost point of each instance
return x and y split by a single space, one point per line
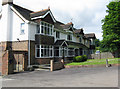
57 35
70 37
22 28
50 47
73 52
49 27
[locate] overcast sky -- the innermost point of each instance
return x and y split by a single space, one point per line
86 14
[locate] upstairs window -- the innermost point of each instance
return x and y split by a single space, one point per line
38 29
69 37
22 29
57 34
80 39
45 28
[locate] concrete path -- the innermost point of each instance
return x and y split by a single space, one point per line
73 77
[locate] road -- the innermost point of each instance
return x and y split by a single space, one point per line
73 77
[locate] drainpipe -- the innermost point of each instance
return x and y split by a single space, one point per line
28 48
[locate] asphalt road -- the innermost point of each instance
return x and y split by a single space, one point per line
74 77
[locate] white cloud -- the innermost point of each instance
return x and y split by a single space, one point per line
85 14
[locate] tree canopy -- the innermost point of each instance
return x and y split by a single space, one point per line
111 28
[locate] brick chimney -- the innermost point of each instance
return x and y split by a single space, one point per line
4 2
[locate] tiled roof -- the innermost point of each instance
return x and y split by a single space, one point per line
24 12
66 26
39 13
79 31
90 35
59 42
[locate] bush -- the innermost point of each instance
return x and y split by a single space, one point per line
80 58
84 57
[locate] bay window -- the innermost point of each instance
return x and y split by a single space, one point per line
43 51
71 52
45 28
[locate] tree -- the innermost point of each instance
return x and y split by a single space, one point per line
97 43
111 28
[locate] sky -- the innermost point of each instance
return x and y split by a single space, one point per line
86 14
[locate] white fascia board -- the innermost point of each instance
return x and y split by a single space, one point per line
14 10
49 12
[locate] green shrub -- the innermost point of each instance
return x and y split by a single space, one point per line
84 57
80 58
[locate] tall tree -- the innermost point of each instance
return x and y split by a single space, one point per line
111 28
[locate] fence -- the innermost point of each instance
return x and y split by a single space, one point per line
102 55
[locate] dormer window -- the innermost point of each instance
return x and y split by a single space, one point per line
45 28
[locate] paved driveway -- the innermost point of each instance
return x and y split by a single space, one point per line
74 77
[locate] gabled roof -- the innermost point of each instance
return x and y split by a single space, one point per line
39 13
67 26
42 14
90 35
23 11
78 31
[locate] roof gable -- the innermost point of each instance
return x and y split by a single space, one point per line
42 14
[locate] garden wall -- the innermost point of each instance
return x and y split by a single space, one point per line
103 55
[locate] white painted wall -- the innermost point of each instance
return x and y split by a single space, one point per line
10 25
3 24
32 31
75 39
17 27
63 36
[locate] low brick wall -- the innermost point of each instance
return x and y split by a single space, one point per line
43 60
58 65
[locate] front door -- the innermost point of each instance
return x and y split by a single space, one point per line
18 62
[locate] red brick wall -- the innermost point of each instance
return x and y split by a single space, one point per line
5 63
43 60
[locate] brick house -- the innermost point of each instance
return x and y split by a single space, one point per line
31 38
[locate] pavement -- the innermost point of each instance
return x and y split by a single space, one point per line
68 77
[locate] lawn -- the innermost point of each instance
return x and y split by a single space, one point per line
96 62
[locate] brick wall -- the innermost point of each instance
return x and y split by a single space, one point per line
43 60
20 46
5 63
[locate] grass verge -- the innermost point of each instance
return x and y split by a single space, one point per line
96 62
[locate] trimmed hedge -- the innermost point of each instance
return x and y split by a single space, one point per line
80 58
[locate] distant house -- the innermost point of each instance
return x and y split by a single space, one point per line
29 38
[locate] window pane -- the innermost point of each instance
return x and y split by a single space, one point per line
38 29
38 46
50 52
42 53
42 29
51 31
38 52
22 28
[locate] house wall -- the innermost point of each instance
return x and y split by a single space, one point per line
3 23
11 25
32 31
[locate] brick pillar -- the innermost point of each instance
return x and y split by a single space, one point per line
5 56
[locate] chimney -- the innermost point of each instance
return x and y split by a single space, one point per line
4 2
